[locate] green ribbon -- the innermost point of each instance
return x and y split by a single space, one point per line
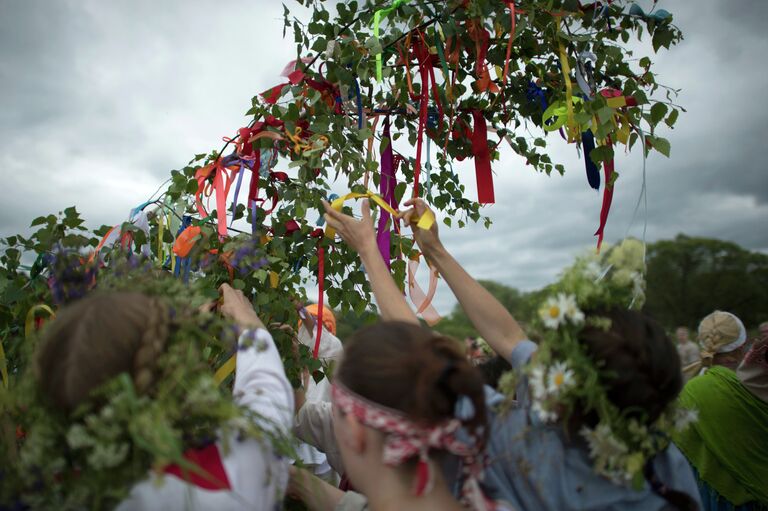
443 62
376 20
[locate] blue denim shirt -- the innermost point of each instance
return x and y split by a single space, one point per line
534 467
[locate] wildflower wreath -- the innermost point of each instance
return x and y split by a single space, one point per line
563 378
91 458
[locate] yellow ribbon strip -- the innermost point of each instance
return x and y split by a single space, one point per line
572 128
29 324
425 222
227 368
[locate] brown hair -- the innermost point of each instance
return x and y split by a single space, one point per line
642 364
97 338
414 370
643 376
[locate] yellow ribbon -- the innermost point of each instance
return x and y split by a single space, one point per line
425 221
29 324
572 127
299 145
227 368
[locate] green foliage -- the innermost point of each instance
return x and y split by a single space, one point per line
690 277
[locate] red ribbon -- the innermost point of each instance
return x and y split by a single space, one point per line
511 5
320 278
427 73
607 198
482 155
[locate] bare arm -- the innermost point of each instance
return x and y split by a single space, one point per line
315 493
359 235
494 323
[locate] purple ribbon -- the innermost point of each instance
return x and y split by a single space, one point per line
387 185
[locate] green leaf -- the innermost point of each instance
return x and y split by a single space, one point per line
661 145
672 117
658 111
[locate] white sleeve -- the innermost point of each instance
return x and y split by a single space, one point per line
260 381
330 345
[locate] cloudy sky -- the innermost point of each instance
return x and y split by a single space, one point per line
100 100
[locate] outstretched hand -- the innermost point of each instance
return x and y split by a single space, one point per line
237 307
427 239
358 234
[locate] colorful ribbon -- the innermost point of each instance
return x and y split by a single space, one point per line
608 169
320 297
512 30
485 193
422 301
425 221
572 127
387 185
377 16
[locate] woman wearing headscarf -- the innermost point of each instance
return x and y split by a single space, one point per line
727 445
722 338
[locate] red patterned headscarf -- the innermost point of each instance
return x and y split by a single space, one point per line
404 439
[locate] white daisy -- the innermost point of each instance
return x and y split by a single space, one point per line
572 311
560 378
604 447
537 383
553 311
545 415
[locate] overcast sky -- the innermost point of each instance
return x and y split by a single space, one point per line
100 100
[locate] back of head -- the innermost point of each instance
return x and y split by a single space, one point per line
97 338
719 334
642 363
643 377
412 369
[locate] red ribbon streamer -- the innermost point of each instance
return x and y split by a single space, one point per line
512 30
607 198
482 155
320 278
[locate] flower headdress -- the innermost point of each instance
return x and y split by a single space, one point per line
92 457
563 377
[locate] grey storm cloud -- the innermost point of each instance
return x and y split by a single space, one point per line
100 100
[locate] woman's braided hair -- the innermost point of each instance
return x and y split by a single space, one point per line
97 338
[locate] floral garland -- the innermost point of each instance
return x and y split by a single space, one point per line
91 458
563 378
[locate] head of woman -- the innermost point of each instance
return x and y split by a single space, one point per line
722 338
97 338
641 364
395 397
642 376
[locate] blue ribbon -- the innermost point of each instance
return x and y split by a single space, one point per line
321 221
660 15
536 93
593 173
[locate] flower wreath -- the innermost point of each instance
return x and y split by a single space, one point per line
91 458
563 377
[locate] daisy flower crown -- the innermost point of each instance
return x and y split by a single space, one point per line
564 379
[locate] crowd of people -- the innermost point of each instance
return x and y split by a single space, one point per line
412 420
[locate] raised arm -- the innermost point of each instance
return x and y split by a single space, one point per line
359 235
494 323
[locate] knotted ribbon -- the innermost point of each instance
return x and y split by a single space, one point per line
405 439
